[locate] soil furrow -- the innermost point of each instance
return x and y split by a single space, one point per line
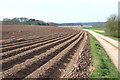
25 48
60 67
37 61
30 53
34 52
40 72
29 40
29 43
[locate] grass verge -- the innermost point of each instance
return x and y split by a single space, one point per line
110 43
102 65
99 28
118 39
102 33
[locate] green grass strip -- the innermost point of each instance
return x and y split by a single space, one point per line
110 43
118 39
102 65
99 28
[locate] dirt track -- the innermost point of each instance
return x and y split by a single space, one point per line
44 52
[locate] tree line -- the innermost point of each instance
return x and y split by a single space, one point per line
112 26
25 21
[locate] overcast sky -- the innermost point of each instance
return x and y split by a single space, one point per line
59 11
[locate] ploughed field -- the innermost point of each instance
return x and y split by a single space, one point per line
44 52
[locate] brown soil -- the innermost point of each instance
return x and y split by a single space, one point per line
44 52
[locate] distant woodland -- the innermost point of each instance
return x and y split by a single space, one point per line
25 21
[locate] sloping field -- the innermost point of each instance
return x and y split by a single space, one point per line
44 52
